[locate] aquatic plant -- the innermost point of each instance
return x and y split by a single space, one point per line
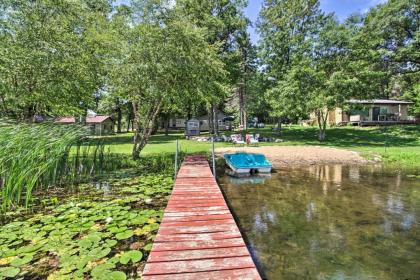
159 163
43 155
33 155
98 235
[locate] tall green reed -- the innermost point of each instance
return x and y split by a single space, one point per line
44 155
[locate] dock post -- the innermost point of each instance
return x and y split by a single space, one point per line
176 159
213 158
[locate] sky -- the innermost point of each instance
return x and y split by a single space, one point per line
342 9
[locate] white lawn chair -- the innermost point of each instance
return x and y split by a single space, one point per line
253 141
237 139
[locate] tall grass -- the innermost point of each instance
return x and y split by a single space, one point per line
39 156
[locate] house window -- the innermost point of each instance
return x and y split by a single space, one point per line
384 110
355 112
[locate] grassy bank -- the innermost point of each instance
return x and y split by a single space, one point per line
397 145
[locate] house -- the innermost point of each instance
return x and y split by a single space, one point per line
371 112
177 123
100 125
223 121
65 120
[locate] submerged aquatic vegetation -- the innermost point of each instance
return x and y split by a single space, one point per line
94 236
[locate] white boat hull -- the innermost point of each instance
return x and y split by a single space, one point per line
243 172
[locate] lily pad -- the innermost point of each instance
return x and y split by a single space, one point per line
21 261
124 235
102 269
116 275
117 229
148 247
9 272
134 256
111 242
7 260
85 243
99 253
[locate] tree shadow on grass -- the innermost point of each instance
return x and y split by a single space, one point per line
396 136
127 138
392 136
401 136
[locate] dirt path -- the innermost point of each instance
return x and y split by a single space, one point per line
300 155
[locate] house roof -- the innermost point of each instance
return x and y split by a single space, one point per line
378 101
97 119
66 120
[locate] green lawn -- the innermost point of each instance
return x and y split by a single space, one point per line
396 144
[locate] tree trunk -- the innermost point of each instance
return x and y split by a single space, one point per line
129 117
30 113
322 124
144 130
242 110
136 127
215 121
279 132
119 115
166 123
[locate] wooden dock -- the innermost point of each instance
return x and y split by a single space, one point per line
198 237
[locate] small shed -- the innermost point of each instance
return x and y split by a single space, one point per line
193 127
100 125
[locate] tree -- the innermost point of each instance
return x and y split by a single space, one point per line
247 71
312 77
164 63
285 28
393 31
51 56
391 36
414 96
224 24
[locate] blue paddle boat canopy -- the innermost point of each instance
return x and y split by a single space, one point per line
246 163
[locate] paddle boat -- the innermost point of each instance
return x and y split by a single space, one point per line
245 164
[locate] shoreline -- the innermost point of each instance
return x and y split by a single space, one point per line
284 156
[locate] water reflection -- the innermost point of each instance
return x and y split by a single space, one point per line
331 222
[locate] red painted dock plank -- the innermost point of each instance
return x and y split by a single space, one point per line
198 223
198 237
243 274
201 208
198 254
198 244
198 213
197 218
186 266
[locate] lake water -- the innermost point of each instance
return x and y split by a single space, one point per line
330 222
